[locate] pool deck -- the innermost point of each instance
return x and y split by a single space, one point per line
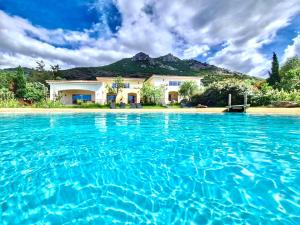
252 110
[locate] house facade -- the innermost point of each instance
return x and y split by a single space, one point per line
129 94
102 90
171 85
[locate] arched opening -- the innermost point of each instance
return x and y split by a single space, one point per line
132 98
173 96
71 97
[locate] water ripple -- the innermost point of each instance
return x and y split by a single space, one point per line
149 169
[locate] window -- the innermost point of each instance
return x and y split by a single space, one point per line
83 98
126 85
174 83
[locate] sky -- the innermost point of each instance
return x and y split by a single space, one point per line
234 34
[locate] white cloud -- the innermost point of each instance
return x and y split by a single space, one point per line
195 50
245 59
293 49
23 44
186 28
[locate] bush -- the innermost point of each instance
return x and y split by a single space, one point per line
90 105
48 104
7 79
188 89
6 94
264 98
150 94
217 93
291 80
290 64
10 103
259 94
35 92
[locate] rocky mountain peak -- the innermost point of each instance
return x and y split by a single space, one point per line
169 58
141 56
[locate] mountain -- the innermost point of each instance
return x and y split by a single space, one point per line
142 65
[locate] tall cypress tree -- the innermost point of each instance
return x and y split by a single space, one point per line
274 76
20 83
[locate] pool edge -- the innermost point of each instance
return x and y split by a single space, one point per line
252 110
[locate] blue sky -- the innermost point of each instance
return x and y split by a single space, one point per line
235 34
51 14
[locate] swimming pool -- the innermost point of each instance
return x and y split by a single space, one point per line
149 169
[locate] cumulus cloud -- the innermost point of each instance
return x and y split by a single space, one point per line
186 28
293 49
195 50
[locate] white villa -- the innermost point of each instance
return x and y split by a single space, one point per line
70 91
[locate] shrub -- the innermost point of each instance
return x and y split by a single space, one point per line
35 92
90 105
264 98
6 94
217 93
188 89
48 104
7 79
290 64
291 80
150 94
10 103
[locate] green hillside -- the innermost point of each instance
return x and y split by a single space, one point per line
142 65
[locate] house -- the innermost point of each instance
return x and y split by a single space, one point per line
130 93
102 90
71 91
171 86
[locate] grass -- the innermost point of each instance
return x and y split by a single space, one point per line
99 106
161 107
55 104
89 106
10 103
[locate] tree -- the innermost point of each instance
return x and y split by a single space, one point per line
291 80
188 89
40 66
290 74
290 64
118 85
151 94
35 92
146 92
157 94
55 70
40 74
20 83
274 77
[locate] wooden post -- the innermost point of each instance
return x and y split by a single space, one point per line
245 101
229 100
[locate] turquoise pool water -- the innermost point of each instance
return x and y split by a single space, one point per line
149 169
